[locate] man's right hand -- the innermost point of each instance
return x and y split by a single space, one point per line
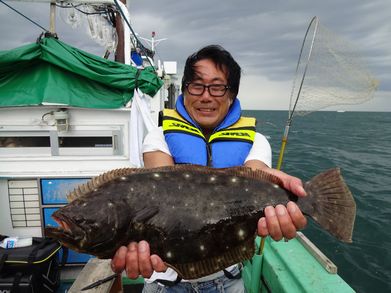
137 260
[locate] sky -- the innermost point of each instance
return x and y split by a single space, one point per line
265 37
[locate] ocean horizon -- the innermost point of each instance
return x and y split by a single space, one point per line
338 110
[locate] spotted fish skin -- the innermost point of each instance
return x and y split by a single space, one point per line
199 220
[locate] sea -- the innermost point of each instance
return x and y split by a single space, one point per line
360 144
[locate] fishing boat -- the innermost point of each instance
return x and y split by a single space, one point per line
67 115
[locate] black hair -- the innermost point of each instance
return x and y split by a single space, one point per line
223 60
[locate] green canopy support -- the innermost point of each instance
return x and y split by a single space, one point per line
52 72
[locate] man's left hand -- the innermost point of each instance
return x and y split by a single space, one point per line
280 221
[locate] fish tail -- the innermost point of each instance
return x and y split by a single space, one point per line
330 203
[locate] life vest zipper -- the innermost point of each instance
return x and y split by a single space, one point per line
209 155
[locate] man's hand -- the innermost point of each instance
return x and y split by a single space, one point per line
137 260
283 222
280 221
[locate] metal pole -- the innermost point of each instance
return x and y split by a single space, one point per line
283 144
52 27
120 52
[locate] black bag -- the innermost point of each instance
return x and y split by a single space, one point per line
32 268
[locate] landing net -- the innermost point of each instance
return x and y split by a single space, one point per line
330 72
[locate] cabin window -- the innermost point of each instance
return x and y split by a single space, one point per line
89 143
81 141
24 141
86 142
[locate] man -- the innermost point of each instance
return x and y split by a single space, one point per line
209 112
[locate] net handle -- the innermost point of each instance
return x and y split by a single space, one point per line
292 109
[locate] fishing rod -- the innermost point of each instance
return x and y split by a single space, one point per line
291 111
293 108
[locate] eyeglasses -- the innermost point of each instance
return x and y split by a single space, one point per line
215 90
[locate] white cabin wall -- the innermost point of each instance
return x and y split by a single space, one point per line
31 164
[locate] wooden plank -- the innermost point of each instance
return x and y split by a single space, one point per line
94 270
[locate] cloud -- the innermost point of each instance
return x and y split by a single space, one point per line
265 37
259 93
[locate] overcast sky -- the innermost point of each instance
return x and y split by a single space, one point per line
265 38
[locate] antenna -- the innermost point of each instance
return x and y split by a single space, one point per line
152 42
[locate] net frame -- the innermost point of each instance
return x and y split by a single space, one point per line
292 105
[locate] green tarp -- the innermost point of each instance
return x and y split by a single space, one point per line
52 72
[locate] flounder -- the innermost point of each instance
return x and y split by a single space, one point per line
199 220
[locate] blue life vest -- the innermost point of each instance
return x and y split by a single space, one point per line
228 145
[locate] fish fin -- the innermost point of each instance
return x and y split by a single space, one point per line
240 171
330 203
100 180
145 214
212 265
253 174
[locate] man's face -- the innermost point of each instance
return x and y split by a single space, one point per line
206 110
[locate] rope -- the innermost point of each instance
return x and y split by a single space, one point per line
29 19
